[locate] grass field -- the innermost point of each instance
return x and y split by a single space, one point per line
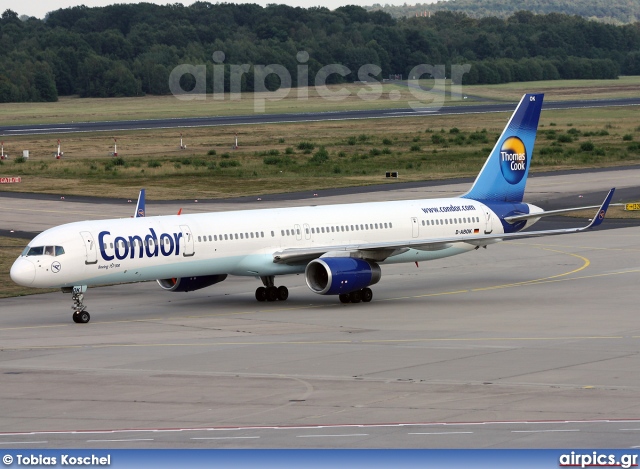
308 156
75 109
394 95
561 90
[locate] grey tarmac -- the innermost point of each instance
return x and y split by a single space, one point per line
527 344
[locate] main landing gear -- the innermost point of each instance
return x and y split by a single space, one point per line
270 292
365 295
80 313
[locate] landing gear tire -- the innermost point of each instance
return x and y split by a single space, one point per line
344 298
367 295
355 296
272 293
261 294
283 293
81 317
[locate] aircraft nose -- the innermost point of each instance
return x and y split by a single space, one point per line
23 272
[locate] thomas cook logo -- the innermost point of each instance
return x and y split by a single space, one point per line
513 160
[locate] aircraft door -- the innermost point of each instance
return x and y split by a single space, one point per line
187 236
489 222
91 248
307 231
298 232
415 227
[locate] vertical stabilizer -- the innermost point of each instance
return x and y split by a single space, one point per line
504 175
140 211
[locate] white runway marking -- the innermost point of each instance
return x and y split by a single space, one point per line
543 431
441 433
40 130
111 441
226 438
23 442
331 436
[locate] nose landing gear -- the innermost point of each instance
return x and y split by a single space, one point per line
81 317
80 313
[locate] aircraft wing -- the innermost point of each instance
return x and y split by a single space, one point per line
381 251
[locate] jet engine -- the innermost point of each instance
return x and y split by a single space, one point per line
339 275
190 283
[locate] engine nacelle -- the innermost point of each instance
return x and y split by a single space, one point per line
190 283
336 275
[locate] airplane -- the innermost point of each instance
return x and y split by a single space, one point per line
338 248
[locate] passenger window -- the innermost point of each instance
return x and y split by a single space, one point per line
241 235
306 230
236 235
288 234
252 235
298 231
351 227
332 229
390 225
272 234
362 227
313 230
422 222
322 229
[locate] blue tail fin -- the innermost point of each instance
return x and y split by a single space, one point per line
504 175
140 211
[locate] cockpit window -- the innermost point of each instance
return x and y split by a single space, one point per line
36 251
43 250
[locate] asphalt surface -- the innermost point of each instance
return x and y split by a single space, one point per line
528 344
213 121
524 344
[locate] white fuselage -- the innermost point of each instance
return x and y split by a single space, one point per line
241 242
